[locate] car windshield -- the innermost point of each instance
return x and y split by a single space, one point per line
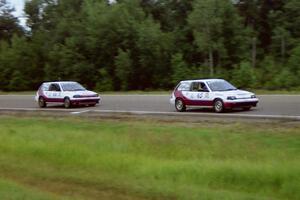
220 85
72 87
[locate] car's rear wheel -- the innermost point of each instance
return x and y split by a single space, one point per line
42 102
179 105
67 102
218 106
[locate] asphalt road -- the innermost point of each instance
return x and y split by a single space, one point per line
286 105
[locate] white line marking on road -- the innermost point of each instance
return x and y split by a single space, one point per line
80 112
16 95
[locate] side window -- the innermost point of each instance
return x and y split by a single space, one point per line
199 87
184 87
54 87
204 87
195 86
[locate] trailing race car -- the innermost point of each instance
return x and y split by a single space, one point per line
68 93
211 93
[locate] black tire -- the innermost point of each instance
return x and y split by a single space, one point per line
67 102
246 108
179 105
218 106
42 102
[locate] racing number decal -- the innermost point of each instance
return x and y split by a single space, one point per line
52 94
199 95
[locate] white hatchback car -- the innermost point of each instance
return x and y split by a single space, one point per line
68 93
211 93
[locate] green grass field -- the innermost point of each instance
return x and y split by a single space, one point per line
47 158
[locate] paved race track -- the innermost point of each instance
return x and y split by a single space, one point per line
287 105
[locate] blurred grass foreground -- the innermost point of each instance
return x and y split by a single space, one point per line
79 159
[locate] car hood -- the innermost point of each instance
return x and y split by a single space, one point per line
238 93
85 93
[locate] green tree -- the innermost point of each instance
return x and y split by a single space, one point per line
285 80
34 11
142 44
123 68
266 72
105 83
154 54
180 69
206 19
244 76
17 63
293 64
171 14
292 17
9 25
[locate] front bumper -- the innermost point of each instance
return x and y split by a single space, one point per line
241 103
80 101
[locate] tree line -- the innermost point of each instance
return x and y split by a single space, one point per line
151 44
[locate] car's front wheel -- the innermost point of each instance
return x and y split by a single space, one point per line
179 105
67 102
218 106
42 102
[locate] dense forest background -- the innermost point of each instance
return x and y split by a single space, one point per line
151 44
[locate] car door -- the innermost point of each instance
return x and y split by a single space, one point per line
54 93
199 94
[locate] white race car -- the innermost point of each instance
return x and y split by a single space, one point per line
68 93
211 93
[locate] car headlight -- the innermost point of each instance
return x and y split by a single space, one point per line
253 96
231 98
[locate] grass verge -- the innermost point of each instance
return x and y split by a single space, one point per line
79 159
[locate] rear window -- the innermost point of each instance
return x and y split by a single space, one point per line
184 87
45 86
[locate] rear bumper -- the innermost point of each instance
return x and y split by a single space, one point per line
172 101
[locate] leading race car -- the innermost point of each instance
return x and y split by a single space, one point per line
68 93
211 93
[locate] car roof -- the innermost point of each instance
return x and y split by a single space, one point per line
204 80
59 82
